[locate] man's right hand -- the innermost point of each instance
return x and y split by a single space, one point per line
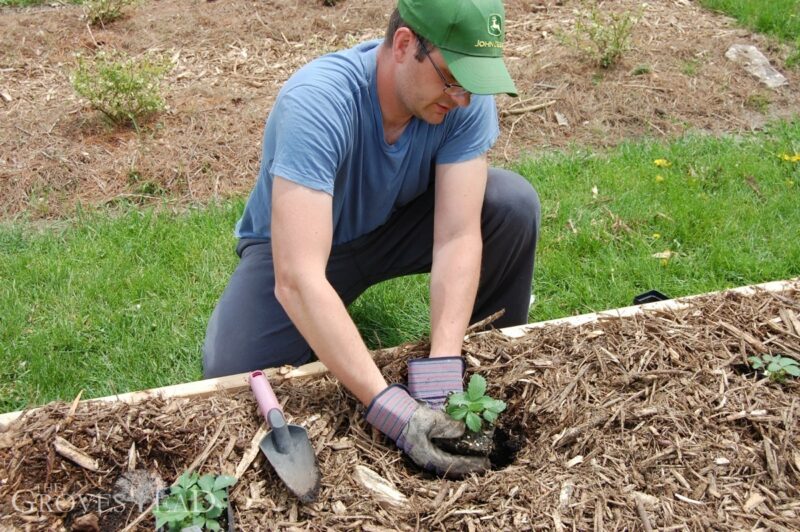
413 425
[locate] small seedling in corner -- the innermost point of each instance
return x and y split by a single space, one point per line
776 367
194 500
105 11
474 406
124 89
600 35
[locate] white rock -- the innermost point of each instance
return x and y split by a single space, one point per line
756 64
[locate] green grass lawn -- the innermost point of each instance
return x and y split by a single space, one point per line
775 17
114 302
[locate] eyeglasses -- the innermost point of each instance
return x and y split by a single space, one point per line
454 90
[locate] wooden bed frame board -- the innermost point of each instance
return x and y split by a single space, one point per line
237 382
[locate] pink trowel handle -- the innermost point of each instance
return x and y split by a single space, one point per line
264 395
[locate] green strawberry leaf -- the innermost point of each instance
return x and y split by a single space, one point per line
476 387
224 481
792 370
489 416
171 506
206 482
222 497
187 479
458 399
212 524
496 406
476 407
161 518
473 422
458 413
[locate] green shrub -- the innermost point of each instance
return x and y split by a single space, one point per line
104 11
599 35
124 89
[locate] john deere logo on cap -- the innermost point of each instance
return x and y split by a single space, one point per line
495 25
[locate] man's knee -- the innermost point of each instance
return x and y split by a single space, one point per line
231 350
513 199
215 361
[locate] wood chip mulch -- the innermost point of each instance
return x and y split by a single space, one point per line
650 422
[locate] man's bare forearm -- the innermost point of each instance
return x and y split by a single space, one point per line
322 319
454 284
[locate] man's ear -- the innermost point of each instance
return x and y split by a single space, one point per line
404 44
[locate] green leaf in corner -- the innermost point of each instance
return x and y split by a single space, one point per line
206 482
476 387
224 481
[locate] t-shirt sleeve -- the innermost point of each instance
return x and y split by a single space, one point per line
310 137
472 132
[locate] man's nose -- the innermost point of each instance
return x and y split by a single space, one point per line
461 101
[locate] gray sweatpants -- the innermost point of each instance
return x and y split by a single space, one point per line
249 329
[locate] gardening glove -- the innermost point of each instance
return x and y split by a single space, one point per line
412 425
433 379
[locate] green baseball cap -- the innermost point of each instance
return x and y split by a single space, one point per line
469 35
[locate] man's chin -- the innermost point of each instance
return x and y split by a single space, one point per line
433 118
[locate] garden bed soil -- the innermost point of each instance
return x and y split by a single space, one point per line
231 57
619 424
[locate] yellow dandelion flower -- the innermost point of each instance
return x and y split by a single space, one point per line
659 178
664 262
662 163
656 236
794 158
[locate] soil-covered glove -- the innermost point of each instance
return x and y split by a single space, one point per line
412 425
433 379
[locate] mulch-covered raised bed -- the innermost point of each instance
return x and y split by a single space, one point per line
651 421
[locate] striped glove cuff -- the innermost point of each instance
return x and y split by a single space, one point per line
432 379
390 411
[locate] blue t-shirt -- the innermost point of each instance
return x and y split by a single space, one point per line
325 132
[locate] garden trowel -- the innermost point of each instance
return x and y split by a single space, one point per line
286 446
